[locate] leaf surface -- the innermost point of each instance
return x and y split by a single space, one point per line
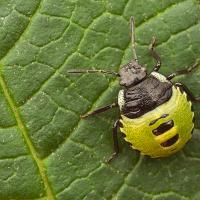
46 151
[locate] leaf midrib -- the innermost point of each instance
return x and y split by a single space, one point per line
24 133
20 124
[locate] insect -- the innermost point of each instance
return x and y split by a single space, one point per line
155 114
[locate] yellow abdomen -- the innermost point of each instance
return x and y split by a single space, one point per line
139 131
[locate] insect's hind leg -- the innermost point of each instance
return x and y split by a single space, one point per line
186 70
155 54
188 92
115 142
100 110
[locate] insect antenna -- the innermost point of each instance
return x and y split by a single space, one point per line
81 71
132 29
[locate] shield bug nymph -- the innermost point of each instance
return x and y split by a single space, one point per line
155 113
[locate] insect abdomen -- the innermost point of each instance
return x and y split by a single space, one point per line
159 136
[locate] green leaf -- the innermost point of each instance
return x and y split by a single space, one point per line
46 151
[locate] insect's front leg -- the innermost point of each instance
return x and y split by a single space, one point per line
155 54
186 70
100 110
188 92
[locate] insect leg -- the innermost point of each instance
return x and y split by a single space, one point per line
100 110
81 71
188 92
115 142
154 54
183 71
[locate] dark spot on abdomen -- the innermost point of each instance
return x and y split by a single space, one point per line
163 128
171 141
155 120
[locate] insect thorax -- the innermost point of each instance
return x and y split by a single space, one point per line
147 95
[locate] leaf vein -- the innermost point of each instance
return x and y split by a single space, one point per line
13 158
25 29
160 12
59 67
25 135
80 178
60 106
127 176
172 35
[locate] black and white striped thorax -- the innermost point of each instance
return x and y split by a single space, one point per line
134 101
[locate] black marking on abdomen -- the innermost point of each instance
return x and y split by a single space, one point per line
155 120
163 128
171 141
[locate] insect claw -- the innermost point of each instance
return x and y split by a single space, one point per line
108 161
153 42
194 65
197 99
83 116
